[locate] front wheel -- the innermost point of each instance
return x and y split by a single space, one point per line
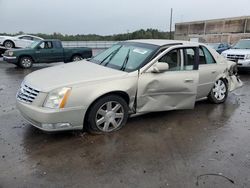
25 62
219 92
107 114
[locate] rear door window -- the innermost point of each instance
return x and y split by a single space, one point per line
209 59
26 38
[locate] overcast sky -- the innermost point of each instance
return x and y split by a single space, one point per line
109 16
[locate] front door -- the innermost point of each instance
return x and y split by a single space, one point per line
173 89
44 53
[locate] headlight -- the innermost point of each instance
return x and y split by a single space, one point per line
248 56
57 98
10 53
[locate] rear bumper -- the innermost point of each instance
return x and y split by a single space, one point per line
52 120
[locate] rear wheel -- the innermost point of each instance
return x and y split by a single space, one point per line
108 114
76 58
9 44
25 62
219 92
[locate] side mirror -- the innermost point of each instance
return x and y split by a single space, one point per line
159 67
38 47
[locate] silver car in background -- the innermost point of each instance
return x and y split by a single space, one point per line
131 77
19 41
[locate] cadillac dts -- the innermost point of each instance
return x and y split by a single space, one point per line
131 77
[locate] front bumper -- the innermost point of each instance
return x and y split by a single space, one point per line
52 119
10 59
243 64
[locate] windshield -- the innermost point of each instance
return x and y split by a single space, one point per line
33 44
126 56
242 44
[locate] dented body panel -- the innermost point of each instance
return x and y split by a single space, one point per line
167 91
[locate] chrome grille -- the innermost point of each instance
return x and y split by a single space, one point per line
235 57
27 94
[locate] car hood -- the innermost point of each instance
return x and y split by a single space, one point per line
70 74
237 51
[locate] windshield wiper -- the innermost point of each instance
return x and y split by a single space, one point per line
110 56
125 61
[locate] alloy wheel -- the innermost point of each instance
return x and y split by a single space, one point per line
26 62
77 58
219 90
8 44
109 116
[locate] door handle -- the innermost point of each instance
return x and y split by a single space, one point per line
189 80
38 52
214 71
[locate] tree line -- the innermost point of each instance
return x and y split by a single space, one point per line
139 34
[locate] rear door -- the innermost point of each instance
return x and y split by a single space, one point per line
208 70
57 52
173 89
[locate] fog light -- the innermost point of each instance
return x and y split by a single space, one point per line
49 126
62 125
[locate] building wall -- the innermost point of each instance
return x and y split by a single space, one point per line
219 30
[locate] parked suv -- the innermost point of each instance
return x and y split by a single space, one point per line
219 47
239 53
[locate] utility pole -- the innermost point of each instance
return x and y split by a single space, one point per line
171 20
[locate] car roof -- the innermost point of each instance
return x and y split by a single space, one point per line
162 42
28 35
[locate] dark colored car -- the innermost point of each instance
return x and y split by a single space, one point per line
45 51
220 47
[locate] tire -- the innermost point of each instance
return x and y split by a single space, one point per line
219 92
25 62
107 114
8 44
76 58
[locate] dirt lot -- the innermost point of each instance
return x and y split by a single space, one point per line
205 147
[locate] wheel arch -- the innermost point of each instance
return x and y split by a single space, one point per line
75 54
24 55
121 94
10 41
222 77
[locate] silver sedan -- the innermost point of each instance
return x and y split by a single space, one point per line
131 77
